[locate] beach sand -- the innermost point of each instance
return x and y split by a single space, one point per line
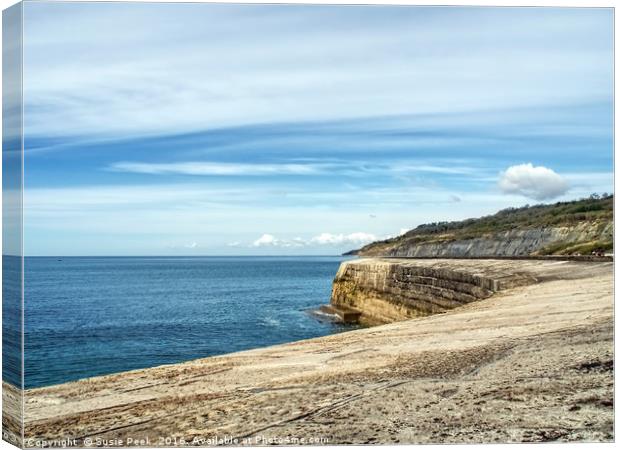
529 364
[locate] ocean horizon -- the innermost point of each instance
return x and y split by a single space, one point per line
95 315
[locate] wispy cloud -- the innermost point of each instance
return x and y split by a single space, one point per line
214 168
259 71
444 169
353 167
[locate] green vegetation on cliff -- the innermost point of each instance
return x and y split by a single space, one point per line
592 216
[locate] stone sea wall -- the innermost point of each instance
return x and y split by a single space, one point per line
385 290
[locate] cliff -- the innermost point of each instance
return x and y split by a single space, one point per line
389 290
560 229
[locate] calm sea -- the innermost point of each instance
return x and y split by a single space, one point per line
94 316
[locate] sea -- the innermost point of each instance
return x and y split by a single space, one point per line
88 316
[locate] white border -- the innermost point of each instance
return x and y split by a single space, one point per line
502 3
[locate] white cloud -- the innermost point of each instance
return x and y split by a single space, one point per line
265 240
234 244
359 238
339 239
191 245
269 240
539 183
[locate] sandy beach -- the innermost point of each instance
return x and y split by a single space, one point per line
532 363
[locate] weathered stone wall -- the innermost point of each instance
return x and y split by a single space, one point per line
388 292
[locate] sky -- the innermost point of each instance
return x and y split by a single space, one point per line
196 129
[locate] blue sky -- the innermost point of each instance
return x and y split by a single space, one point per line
194 129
